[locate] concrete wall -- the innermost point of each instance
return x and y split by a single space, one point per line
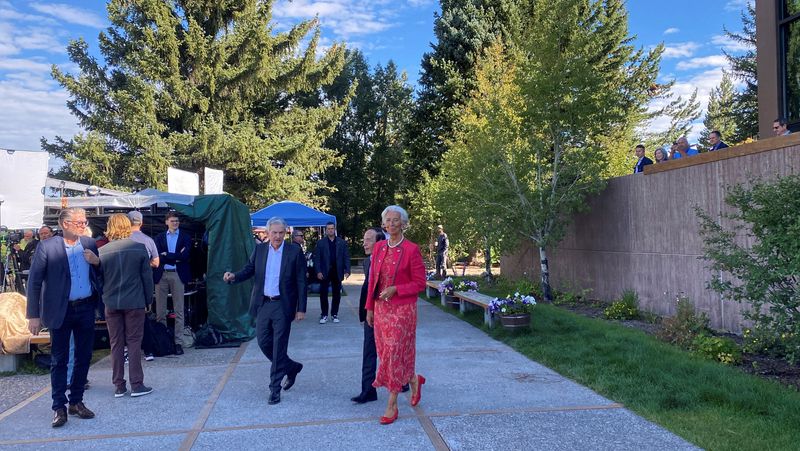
641 232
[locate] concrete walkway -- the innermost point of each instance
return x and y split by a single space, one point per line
480 395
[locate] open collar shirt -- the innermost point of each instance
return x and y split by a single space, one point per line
80 284
273 271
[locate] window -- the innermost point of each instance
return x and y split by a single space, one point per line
789 29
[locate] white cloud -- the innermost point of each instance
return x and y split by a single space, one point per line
24 64
737 5
729 44
70 14
671 30
342 18
680 50
705 61
33 108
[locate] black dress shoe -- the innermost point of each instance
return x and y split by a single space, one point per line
363 398
290 377
59 417
274 398
178 350
81 411
405 388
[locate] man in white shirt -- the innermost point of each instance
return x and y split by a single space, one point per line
278 297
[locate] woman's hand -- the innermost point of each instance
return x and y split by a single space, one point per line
388 292
370 318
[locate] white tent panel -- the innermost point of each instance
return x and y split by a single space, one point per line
22 179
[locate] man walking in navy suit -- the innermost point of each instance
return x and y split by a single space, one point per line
332 261
172 274
278 297
63 289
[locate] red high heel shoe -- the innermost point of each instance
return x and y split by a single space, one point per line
390 420
420 382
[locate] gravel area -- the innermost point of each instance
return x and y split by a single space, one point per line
17 388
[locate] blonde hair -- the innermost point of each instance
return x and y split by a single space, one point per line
118 227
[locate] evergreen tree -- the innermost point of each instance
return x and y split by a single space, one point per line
743 68
199 83
463 30
370 140
721 115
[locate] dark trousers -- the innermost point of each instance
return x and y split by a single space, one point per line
369 364
272 331
333 281
126 327
79 320
441 264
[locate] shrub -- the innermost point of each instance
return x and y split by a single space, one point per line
625 308
721 349
764 274
685 326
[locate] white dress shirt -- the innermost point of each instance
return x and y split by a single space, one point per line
273 271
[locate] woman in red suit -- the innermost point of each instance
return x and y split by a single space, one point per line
396 278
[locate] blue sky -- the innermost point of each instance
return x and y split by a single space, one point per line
34 35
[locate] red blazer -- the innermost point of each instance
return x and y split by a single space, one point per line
409 275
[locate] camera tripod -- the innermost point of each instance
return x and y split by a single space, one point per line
10 266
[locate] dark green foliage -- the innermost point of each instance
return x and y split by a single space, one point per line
744 68
763 275
722 115
202 83
685 326
625 308
721 349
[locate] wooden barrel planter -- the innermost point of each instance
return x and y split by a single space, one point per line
517 321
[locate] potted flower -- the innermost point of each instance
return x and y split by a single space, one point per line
447 288
429 290
514 310
467 285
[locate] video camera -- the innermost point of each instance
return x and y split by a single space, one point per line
9 237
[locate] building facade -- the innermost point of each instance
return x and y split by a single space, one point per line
778 63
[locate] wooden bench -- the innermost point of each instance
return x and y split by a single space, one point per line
10 362
432 288
479 300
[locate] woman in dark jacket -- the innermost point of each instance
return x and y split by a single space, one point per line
127 291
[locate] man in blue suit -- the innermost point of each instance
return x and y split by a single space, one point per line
715 139
172 274
278 297
332 261
63 289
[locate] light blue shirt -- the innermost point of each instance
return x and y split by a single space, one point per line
272 277
689 152
81 285
172 241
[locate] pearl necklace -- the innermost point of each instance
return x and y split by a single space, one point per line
389 243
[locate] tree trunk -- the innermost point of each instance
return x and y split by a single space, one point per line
548 295
488 257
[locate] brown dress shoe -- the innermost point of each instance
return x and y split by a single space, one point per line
59 417
81 411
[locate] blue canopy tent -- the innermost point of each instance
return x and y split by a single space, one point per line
295 214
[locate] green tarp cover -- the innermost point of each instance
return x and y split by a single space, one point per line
230 243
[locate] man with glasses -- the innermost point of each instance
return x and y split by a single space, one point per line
172 274
63 289
781 127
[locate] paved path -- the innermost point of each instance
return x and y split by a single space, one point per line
480 395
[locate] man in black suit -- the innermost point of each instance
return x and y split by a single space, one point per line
369 362
642 160
715 139
172 274
279 296
64 287
332 262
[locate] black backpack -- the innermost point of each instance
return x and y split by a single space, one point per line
207 336
157 339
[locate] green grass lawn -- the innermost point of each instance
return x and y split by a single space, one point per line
708 404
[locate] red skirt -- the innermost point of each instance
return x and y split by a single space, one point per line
395 341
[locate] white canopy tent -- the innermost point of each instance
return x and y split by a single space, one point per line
143 198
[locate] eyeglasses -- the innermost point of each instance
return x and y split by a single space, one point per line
79 223
775 127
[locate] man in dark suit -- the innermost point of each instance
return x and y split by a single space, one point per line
332 261
279 296
369 364
172 274
715 139
642 160
63 288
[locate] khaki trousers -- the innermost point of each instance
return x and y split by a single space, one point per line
170 283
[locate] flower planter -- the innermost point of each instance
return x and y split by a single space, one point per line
517 321
451 301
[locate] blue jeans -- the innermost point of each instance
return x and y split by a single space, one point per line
78 322
71 361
